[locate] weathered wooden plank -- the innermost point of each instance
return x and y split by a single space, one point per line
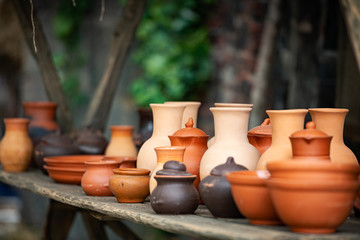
201 224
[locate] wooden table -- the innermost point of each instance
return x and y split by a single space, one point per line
66 198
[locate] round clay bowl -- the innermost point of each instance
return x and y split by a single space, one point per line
125 162
252 197
71 161
309 206
302 169
65 175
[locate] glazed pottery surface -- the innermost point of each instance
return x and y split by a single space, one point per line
65 175
252 197
130 185
125 162
167 120
325 204
90 141
95 181
16 147
260 136
231 127
121 142
190 111
331 121
215 190
283 123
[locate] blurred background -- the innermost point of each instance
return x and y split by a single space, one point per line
272 53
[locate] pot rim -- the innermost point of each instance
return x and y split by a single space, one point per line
194 103
230 109
245 178
310 165
242 105
131 171
121 127
102 162
120 158
39 104
332 110
286 111
174 176
16 120
64 170
72 158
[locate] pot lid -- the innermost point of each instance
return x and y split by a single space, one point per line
309 132
174 168
189 130
228 166
263 129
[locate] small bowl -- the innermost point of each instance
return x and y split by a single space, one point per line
125 162
65 175
71 161
252 197
313 206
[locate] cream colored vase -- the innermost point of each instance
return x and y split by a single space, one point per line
166 120
331 121
191 110
165 154
231 126
283 124
121 142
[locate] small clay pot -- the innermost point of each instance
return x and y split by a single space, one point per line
130 185
91 141
261 136
125 162
215 190
65 175
252 197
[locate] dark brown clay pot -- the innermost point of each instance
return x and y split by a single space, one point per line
215 191
261 136
90 141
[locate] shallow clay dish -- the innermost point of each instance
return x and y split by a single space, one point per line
71 161
125 162
65 175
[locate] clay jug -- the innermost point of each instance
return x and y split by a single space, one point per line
166 120
231 127
16 147
121 142
195 142
331 121
283 123
165 154
190 111
260 136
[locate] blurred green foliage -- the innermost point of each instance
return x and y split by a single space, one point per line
173 51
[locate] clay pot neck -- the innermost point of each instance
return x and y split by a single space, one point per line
118 131
16 124
165 154
40 110
167 118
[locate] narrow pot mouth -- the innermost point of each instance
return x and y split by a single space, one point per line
131 171
39 104
256 177
241 105
332 110
162 105
194 103
169 148
64 170
16 120
119 158
286 111
230 109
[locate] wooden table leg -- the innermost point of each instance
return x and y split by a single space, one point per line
95 227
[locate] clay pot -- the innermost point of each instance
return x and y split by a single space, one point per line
130 185
252 197
215 190
95 181
190 111
331 121
231 127
16 147
195 142
261 136
121 142
65 175
90 141
283 123
325 204
125 162
175 192
167 120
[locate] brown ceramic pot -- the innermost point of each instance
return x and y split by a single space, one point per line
65 175
261 136
252 197
125 162
130 185
90 141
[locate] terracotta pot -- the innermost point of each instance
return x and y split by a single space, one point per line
71 161
190 111
325 204
16 148
165 154
195 142
95 181
90 141
121 142
283 123
125 162
215 190
331 121
252 197
260 136
65 175
231 126
130 185
167 120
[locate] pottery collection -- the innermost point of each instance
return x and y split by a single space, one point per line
121 142
261 136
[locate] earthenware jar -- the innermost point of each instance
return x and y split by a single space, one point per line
231 127
283 123
195 141
215 190
166 120
121 142
42 119
260 136
16 147
175 192
190 111
90 141
165 154
331 121
130 185
95 181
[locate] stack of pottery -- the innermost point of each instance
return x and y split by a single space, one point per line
90 141
325 189
121 142
261 136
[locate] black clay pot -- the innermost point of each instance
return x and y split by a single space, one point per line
215 191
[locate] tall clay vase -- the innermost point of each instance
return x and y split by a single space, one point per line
283 123
16 147
121 142
331 121
166 120
165 154
191 111
231 127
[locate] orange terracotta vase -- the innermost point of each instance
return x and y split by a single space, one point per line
16 147
121 142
